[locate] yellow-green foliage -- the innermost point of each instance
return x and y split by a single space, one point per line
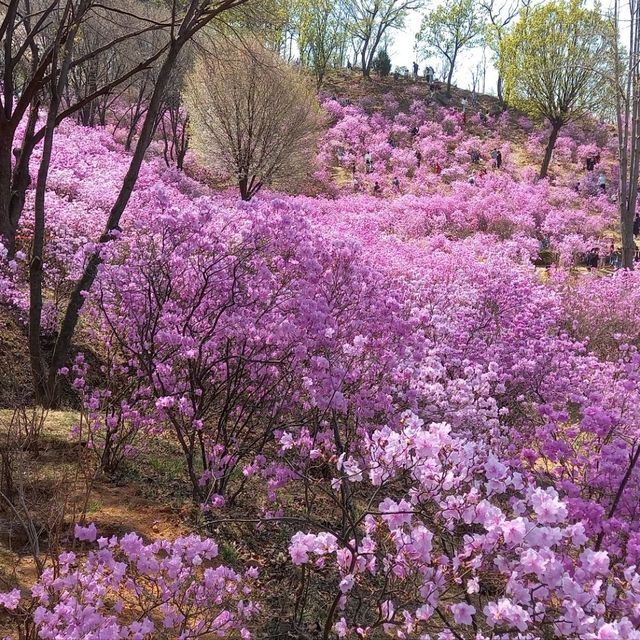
554 61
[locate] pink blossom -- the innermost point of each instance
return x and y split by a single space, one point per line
463 613
11 599
88 533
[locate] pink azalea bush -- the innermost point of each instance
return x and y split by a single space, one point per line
503 202
467 543
129 589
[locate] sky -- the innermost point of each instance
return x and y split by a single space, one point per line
402 53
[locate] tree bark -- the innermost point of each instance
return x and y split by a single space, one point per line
6 144
76 301
553 136
21 176
628 124
244 192
249 187
38 368
628 243
452 66
365 66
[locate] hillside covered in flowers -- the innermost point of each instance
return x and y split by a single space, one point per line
404 406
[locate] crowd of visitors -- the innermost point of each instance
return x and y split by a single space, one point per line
495 159
594 258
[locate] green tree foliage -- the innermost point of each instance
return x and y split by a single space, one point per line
322 30
554 63
271 22
382 63
448 29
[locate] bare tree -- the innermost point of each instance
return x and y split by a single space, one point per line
188 18
478 76
40 53
627 92
499 16
31 34
174 131
370 20
254 114
448 29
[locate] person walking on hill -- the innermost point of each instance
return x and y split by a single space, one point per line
602 182
608 260
475 156
368 162
498 158
437 169
396 184
616 259
418 158
377 189
415 70
593 258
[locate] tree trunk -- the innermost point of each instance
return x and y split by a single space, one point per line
449 79
15 181
21 176
452 66
365 65
555 130
626 122
249 187
183 146
500 95
38 368
243 187
84 284
7 234
628 243
628 125
628 191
